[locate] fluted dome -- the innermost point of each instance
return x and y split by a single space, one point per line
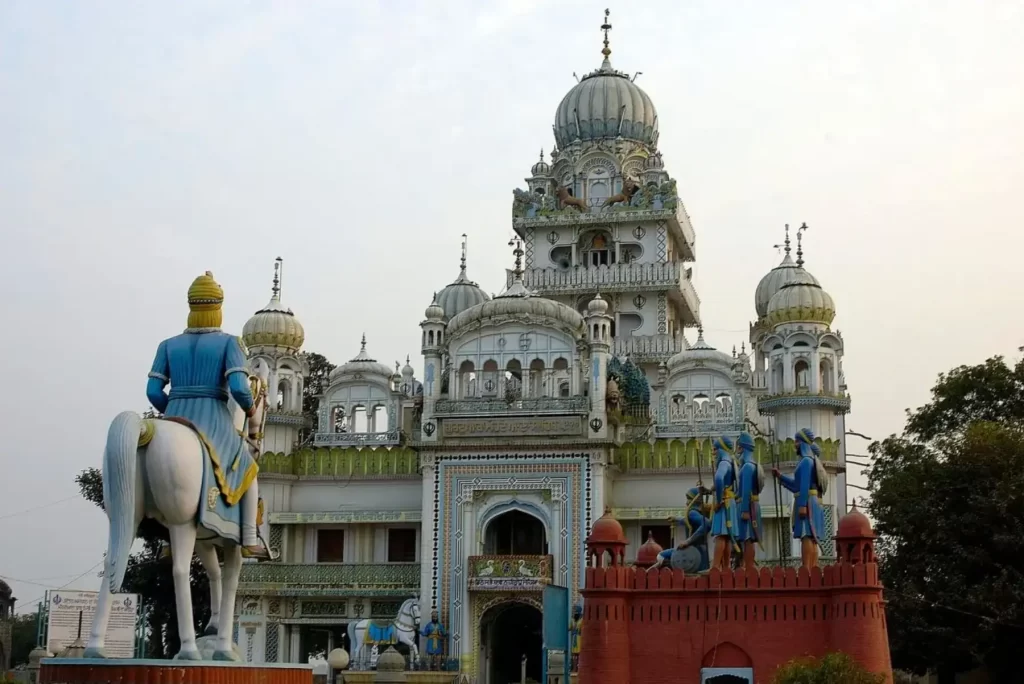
391 661
274 326
597 306
786 273
855 525
607 530
541 168
801 303
606 104
434 312
518 301
700 354
460 295
361 366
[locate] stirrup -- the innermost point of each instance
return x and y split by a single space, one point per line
257 551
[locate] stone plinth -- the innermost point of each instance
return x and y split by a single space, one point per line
132 671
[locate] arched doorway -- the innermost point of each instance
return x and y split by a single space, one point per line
508 632
515 533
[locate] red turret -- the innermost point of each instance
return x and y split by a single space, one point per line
647 555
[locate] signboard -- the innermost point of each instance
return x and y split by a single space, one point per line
556 626
335 517
506 426
64 607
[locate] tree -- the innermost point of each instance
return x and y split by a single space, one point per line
149 575
833 668
316 381
947 506
24 634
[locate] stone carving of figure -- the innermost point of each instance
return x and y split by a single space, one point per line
203 365
807 484
723 521
751 482
611 396
692 529
436 636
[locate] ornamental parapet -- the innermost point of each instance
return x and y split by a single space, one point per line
361 438
343 463
790 579
330 579
648 348
529 406
514 572
666 455
292 418
837 403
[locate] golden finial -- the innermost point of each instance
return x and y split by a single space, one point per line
606 27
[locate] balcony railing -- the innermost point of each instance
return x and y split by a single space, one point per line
648 348
530 406
611 278
509 572
330 579
357 438
837 403
350 461
293 418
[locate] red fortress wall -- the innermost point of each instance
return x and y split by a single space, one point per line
643 627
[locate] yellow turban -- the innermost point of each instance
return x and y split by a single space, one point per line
205 299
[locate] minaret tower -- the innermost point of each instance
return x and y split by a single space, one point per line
599 327
274 337
432 346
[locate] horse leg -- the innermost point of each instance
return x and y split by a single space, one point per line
207 553
183 545
232 569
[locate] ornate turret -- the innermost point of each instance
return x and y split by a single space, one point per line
462 293
274 325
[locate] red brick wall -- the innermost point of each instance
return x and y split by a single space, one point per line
642 628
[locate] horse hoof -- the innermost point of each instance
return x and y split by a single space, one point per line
94 653
191 654
229 656
211 630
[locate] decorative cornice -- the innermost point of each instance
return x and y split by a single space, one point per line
838 404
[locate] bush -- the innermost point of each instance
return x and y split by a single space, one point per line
834 668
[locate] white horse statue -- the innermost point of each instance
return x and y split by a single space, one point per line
404 629
154 468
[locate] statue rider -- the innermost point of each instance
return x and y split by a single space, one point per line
695 525
203 365
807 483
723 520
751 482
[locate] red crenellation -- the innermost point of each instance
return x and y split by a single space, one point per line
642 627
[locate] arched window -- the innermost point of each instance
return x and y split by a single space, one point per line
380 418
700 402
803 376
777 378
339 422
825 377
538 381
467 380
490 379
359 420
723 402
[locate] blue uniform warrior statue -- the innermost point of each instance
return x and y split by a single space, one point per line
435 635
203 366
807 483
751 483
575 637
723 520
692 533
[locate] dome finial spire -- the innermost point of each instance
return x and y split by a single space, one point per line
276 288
518 252
799 244
362 347
606 27
463 267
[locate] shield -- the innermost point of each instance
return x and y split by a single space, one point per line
819 470
687 560
759 479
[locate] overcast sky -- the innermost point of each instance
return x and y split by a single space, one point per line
144 143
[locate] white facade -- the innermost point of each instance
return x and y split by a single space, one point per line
468 486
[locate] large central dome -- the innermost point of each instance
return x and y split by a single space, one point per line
606 104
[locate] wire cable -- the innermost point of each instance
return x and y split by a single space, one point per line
38 598
38 508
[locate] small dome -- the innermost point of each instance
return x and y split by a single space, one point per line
855 525
607 530
647 554
391 661
606 104
597 306
460 295
786 273
541 168
434 312
541 310
361 365
407 369
701 353
654 162
801 303
274 325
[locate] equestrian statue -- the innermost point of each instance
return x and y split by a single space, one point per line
808 482
193 470
405 629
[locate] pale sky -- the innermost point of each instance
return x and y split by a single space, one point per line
144 143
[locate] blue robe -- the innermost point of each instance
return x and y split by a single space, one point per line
435 634
202 368
747 501
697 526
804 485
723 520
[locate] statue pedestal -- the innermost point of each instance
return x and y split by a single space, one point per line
133 671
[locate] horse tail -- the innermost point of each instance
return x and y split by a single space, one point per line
119 469
352 639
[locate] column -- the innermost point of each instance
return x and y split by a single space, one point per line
815 363
574 258
788 379
428 469
272 389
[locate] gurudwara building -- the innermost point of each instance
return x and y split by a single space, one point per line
586 386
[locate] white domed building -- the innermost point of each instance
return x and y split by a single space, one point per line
588 385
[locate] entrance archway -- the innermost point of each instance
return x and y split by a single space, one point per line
515 532
508 632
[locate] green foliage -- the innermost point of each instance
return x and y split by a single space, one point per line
631 380
24 633
946 503
316 382
833 668
150 576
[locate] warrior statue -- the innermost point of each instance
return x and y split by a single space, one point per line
692 533
807 483
435 635
723 520
751 482
575 637
196 364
